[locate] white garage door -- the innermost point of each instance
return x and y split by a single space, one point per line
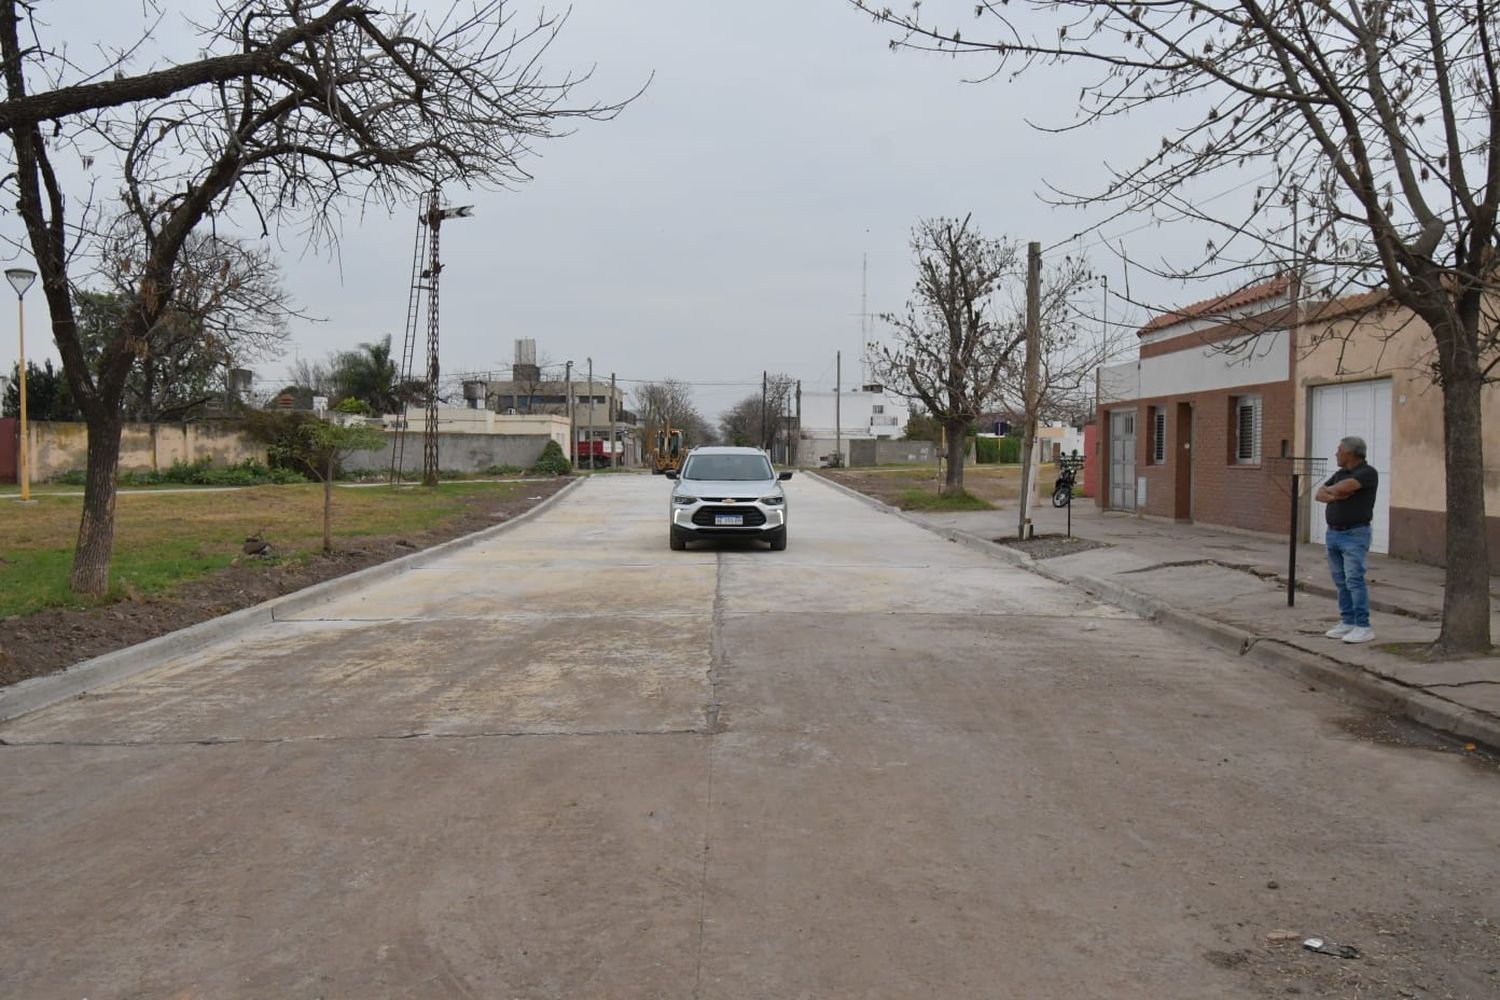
1355 409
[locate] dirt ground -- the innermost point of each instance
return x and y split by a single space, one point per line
56 638
996 484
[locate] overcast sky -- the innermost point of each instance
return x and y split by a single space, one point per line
716 228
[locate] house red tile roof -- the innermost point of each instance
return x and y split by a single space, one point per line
1222 304
1358 304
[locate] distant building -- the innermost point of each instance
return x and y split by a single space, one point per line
868 412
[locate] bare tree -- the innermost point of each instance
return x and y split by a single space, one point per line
951 352
740 424
1072 348
1372 132
332 102
668 404
228 308
759 419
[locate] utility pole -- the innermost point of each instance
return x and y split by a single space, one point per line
614 432
763 408
797 449
572 434
838 426
1033 370
590 438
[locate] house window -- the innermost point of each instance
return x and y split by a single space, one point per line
1158 435
1247 430
877 409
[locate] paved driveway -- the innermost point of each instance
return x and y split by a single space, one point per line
568 762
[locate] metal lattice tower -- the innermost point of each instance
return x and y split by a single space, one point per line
409 343
434 270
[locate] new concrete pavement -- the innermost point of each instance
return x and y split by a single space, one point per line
567 762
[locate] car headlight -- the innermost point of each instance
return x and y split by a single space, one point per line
773 501
684 501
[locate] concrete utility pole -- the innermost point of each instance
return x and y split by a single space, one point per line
1033 371
590 438
838 425
568 397
763 409
797 448
614 432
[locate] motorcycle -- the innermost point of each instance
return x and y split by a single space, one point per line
1062 490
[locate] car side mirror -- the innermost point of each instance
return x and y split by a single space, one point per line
670 473
784 477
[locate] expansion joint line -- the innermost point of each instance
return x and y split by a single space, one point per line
713 726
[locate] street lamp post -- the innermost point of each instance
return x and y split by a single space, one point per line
20 279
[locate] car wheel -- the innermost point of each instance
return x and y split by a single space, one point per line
778 541
677 542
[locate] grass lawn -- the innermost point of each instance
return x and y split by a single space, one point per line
929 500
165 539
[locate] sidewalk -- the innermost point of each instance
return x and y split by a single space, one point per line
1229 588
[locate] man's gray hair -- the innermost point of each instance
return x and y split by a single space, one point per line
1354 446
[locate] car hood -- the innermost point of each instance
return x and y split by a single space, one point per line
728 488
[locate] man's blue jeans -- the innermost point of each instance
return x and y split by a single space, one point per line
1346 560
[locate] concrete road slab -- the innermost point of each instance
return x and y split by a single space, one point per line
320 680
749 589
530 867
951 811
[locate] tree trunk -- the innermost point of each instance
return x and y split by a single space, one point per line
953 483
96 530
328 508
1466 591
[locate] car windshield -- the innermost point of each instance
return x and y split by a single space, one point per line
728 468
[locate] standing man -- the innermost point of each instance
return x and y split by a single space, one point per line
1350 496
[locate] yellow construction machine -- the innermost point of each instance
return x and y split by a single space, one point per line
667 451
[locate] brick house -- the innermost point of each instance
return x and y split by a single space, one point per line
1186 431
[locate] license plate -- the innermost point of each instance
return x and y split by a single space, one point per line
729 520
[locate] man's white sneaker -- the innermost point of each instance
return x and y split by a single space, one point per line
1339 631
1360 633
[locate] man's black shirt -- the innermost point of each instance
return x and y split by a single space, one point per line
1358 508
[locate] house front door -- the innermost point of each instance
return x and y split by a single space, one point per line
1122 460
1182 505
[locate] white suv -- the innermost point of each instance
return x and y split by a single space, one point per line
728 493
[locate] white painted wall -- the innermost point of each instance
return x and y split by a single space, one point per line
1120 382
857 414
1267 358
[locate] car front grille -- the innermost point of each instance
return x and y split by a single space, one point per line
754 517
730 499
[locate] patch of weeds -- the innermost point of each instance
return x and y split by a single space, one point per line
927 500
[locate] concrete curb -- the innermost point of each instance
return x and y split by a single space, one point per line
1350 681
111 668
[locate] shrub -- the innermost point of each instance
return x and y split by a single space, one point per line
986 450
552 461
1010 451
505 470
350 404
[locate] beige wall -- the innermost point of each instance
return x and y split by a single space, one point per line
1395 344
59 447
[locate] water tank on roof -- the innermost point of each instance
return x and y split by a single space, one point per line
474 392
